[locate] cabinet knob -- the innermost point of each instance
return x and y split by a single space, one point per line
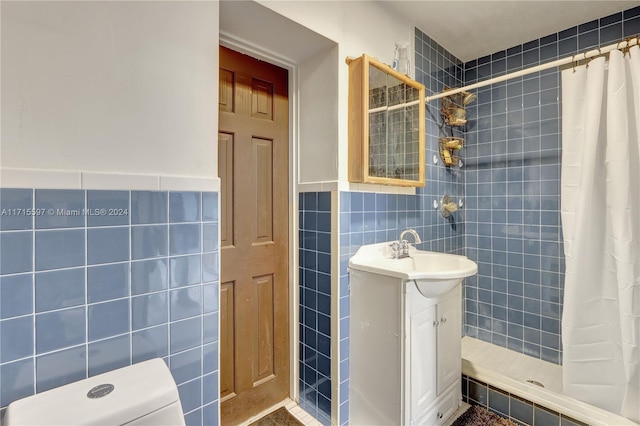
439 415
443 320
436 323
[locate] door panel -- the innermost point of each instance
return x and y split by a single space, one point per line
253 164
262 164
263 353
262 100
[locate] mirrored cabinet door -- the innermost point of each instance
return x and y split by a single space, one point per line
386 125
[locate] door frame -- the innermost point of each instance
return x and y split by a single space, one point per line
241 46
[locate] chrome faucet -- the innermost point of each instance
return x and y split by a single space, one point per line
416 237
400 248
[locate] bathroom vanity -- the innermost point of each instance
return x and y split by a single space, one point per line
405 333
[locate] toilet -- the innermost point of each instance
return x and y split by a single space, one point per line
141 394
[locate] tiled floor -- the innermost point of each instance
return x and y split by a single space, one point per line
304 417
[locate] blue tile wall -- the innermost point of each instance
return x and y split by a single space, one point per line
367 217
509 406
509 224
315 304
513 154
91 281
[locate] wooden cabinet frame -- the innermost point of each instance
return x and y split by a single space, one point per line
360 112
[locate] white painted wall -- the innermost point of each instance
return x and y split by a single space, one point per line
130 87
318 149
110 87
357 27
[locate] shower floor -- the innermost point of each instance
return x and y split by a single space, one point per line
512 364
509 371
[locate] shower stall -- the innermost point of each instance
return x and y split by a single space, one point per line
527 159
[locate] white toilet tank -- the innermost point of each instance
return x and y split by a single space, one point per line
141 394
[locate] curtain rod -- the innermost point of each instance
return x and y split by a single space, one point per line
556 63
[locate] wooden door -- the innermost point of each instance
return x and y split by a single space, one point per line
254 290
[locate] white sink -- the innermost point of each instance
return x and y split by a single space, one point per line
434 273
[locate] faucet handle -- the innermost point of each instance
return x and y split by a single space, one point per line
395 249
404 247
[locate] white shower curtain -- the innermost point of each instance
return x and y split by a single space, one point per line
601 227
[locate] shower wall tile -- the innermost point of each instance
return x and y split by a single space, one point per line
85 288
513 161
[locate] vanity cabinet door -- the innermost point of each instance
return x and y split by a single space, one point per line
422 375
448 342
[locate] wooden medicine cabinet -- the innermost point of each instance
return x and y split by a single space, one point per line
386 125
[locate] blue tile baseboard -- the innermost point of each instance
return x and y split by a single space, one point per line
518 410
91 281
